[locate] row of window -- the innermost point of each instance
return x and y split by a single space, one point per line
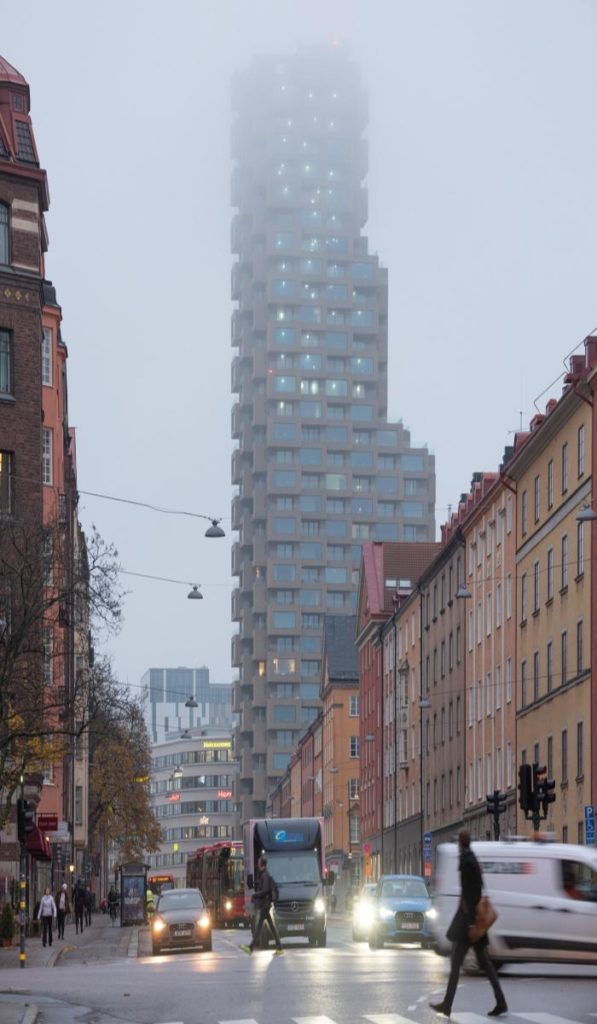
313 410
550 483
494 777
444 726
338 341
335 434
550 573
176 808
314 503
314 361
313 291
7 471
488 695
315 314
563 676
355 459
313 266
564 753
442 659
7 360
331 387
289 241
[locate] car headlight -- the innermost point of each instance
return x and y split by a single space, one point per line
203 921
363 915
228 905
158 924
385 913
431 913
319 906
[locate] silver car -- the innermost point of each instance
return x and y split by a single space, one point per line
180 921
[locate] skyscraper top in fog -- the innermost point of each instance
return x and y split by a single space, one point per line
317 468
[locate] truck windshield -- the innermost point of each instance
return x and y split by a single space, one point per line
294 866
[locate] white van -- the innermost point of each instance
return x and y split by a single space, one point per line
545 894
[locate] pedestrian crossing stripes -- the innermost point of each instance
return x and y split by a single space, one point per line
457 1017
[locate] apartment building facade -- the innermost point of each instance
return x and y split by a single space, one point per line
317 469
552 473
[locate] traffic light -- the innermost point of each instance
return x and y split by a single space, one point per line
25 816
491 803
525 788
539 775
549 795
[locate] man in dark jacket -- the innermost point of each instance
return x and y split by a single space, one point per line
471 884
79 905
264 897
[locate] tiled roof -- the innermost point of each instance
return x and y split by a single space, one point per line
398 561
10 74
341 651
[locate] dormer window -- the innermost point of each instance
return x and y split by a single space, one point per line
4 234
17 102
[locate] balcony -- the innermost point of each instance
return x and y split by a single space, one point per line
259 736
235 648
236 466
236 327
259 549
236 419
259 410
237 559
236 375
236 606
259 644
237 510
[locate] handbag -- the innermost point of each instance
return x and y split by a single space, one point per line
485 916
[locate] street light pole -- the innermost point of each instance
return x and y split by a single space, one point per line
22 888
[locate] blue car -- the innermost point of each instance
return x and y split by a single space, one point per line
402 912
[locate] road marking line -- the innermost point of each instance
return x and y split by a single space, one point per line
388 1018
469 1018
243 1020
313 1020
543 1018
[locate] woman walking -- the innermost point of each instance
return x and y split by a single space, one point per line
471 884
47 913
63 908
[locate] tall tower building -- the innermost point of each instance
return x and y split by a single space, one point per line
317 468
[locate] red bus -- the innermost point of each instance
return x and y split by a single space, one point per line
219 872
161 883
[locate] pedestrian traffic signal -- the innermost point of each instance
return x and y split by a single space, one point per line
25 816
525 788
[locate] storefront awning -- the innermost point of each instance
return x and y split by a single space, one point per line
38 845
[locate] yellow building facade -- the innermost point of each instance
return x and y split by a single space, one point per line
552 476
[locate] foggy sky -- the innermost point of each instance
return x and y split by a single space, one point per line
482 199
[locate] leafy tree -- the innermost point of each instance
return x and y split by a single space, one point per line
119 805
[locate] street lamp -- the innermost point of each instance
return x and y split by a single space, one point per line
195 594
215 530
463 593
586 515
191 702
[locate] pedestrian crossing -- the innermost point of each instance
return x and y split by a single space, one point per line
457 1017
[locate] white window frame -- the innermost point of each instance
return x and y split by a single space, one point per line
46 357
47 453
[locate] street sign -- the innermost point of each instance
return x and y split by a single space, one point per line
427 839
590 825
427 851
47 822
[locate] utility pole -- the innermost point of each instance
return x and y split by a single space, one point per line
25 815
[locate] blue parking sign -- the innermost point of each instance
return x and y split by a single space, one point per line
590 825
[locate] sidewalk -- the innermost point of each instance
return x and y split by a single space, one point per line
101 941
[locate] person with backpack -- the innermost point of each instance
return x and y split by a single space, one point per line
266 894
79 905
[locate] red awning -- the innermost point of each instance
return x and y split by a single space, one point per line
38 845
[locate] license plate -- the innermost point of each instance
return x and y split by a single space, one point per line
296 927
179 933
411 926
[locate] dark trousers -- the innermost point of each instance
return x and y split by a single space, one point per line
46 923
60 919
78 919
265 915
459 951
88 916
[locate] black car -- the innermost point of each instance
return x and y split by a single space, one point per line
181 921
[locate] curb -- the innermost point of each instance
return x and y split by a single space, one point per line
30 1016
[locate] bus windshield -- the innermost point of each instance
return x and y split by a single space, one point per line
294 866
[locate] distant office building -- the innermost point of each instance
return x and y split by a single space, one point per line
191 787
167 690
318 468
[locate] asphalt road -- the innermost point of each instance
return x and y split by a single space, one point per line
346 983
